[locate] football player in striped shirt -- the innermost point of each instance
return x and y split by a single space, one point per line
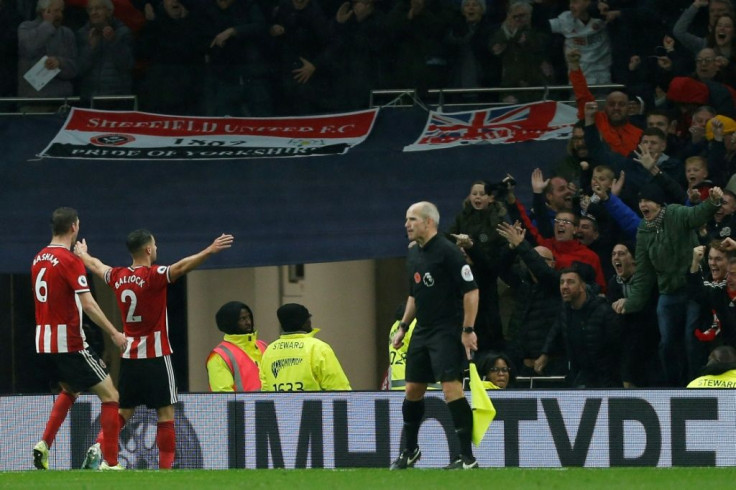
61 294
146 373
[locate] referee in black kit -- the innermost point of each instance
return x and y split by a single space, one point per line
438 278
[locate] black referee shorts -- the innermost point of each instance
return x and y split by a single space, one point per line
435 354
148 382
80 370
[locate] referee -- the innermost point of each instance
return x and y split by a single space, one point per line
438 278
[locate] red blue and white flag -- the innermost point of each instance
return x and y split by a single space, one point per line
498 125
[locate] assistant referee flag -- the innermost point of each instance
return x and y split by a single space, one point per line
483 410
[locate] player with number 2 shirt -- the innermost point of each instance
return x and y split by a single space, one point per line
146 373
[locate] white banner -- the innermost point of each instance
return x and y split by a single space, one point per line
127 135
498 125
655 428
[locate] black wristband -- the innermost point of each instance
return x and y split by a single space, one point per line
468 330
404 326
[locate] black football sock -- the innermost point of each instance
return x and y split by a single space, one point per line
413 413
462 416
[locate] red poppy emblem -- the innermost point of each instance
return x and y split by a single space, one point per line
417 277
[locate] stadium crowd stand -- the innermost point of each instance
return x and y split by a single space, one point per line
675 59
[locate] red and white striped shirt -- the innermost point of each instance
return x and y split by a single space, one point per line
58 277
141 295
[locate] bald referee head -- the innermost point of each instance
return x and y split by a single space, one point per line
422 220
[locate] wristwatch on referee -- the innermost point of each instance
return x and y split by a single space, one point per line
468 330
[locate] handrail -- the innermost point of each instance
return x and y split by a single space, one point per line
398 96
64 103
397 93
518 89
440 94
532 379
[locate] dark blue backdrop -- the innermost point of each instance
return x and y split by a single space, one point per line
281 211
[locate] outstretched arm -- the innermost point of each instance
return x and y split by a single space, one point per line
193 261
625 217
699 215
95 265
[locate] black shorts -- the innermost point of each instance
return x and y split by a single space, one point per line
435 354
148 382
80 370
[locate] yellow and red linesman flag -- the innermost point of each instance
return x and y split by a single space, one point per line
483 410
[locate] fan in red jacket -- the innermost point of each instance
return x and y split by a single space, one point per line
613 121
566 248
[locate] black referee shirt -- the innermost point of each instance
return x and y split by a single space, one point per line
438 279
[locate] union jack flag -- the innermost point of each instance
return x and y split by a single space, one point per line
508 124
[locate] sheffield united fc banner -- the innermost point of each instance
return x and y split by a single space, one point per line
137 135
508 124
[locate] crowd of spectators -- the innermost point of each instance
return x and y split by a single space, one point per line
621 269
290 57
640 209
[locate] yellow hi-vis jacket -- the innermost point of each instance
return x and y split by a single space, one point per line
233 364
300 362
723 380
397 359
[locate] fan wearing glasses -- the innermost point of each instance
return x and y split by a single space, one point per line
497 370
566 248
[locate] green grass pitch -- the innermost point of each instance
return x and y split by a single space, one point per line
495 478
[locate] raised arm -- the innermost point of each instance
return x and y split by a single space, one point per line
539 204
598 152
32 37
625 217
95 265
680 29
533 232
717 162
699 215
698 289
193 261
578 81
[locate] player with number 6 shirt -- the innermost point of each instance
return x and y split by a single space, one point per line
61 293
